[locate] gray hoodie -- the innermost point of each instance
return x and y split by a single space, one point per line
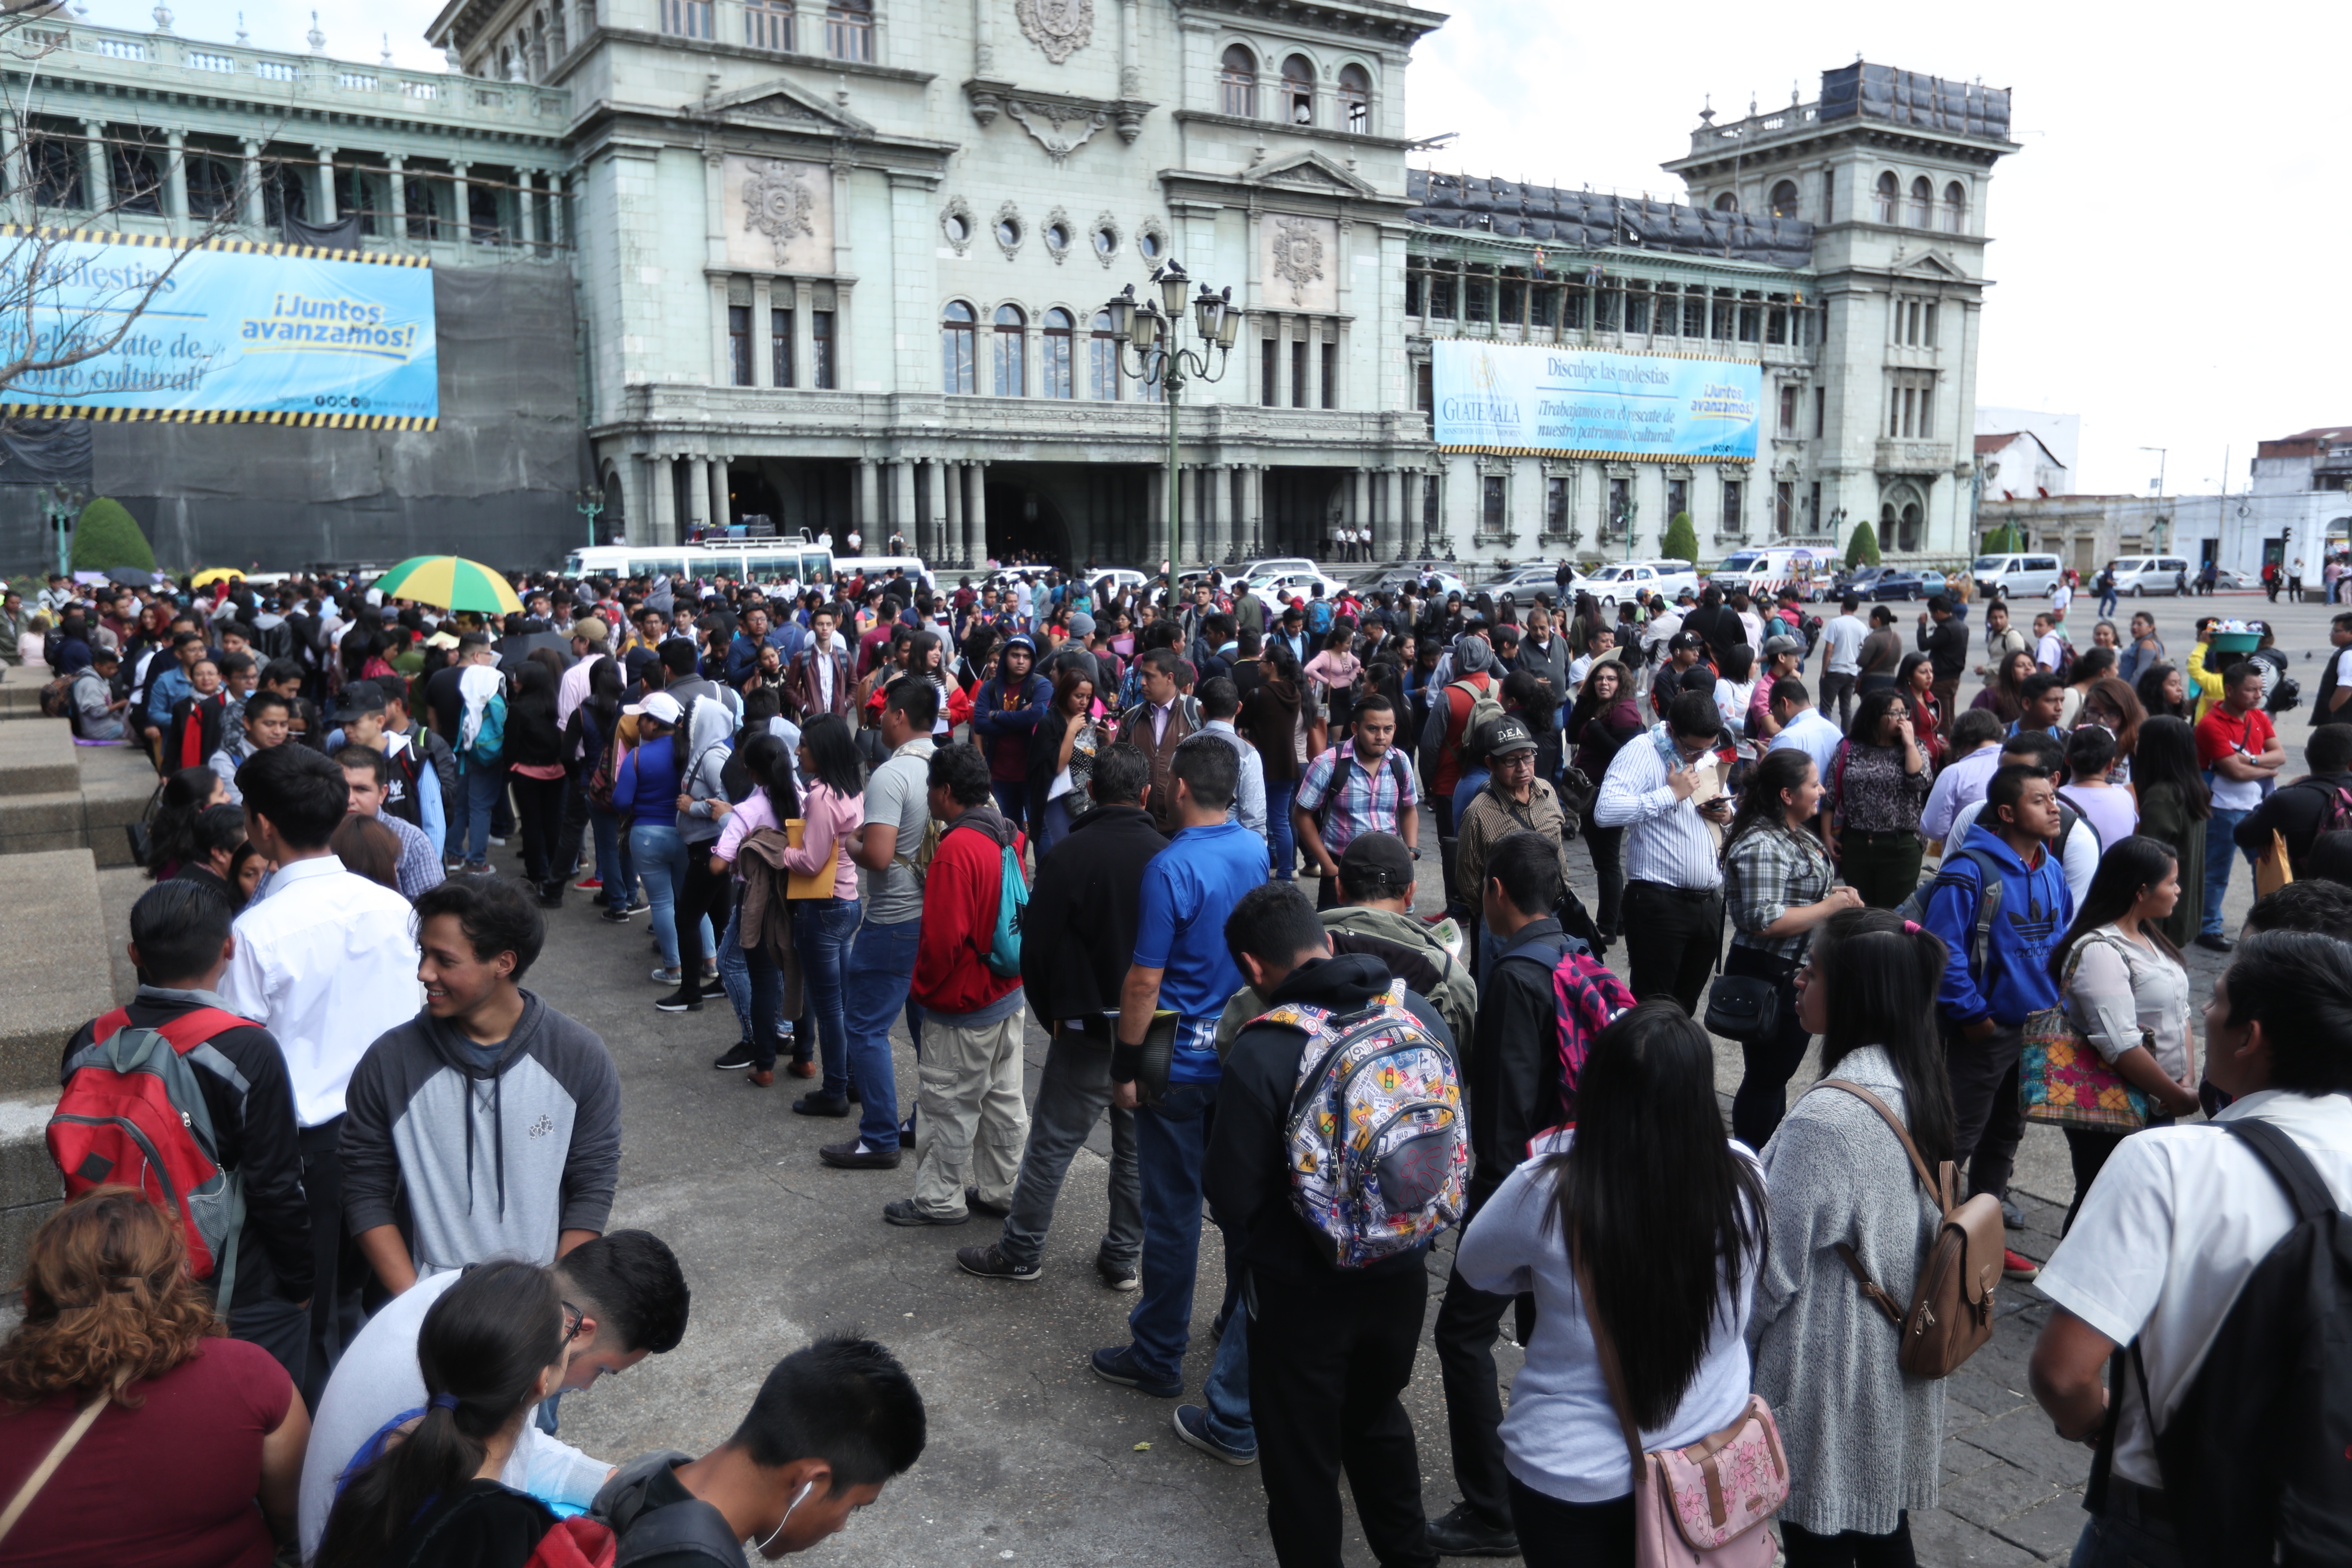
490 1161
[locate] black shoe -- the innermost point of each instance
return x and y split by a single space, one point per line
1117 1276
820 1105
850 1156
1461 1534
904 1212
679 1002
2012 1216
736 1059
989 1263
996 1211
2214 943
613 917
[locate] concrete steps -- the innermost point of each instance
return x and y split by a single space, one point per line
56 795
20 689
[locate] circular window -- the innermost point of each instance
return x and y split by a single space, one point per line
958 229
1008 232
1106 240
1057 237
1149 243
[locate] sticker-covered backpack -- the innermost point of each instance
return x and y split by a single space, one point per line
1377 1143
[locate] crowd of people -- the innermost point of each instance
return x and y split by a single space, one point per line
861 801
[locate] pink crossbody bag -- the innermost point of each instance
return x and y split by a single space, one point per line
1706 1504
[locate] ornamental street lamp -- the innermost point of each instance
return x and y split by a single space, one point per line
590 502
1153 329
61 505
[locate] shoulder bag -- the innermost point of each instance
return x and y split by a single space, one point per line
1950 1317
1706 1503
2061 1078
67 1442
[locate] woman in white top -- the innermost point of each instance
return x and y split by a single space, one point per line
2106 806
1863 1438
1667 1216
1735 687
2127 990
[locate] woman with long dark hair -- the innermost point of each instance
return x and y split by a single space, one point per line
1062 752
2162 689
2093 666
2006 695
752 976
1735 687
597 719
1864 1440
832 807
2126 990
2113 706
1776 894
1278 721
171 831
1607 716
425 1489
2174 805
1877 785
534 758
1648 1203
1914 678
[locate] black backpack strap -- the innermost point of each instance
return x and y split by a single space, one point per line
2288 1165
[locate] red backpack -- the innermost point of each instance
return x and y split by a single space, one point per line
134 1115
1587 997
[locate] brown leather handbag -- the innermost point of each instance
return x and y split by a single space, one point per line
1950 1317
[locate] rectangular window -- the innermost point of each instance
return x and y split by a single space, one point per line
1556 506
1491 511
1724 312
1055 369
1677 497
1784 507
1821 412
1928 337
1299 388
1733 523
1910 407
1543 307
1666 315
1788 408
1605 304
1412 291
739 345
1440 291
1331 382
1637 312
849 30
1752 323
1813 508
686 18
779 347
1424 397
1514 306
1477 295
1270 374
1621 496
1571 308
1893 412
1102 367
1828 195
820 349
1928 411
1776 325
768 25
1694 315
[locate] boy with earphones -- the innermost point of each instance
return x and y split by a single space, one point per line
831 1425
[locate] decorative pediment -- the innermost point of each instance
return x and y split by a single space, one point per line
1932 263
781 105
1060 122
1310 171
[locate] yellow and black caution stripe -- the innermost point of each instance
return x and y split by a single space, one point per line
1598 456
237 247
322 418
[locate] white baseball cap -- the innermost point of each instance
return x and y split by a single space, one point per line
660 707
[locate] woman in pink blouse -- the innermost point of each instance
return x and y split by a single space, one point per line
776 802
833 805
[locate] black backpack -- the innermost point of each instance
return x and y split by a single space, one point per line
689 1529
2257 1460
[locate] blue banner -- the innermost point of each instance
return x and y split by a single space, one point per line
1526 399
233 331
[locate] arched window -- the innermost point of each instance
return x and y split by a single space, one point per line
1356 100
212 187
1238 82
849 29
137 188
1888 195
1297 91
1060 340
1007 358
1923 202
1726 203
1784 199
957 348
1955 208
1102 361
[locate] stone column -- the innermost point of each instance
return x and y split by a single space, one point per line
869 508
326 208
1253 501
97 175
396 177
698 492
248 194
1155 517
527 208
555 229
843 340
763 353
1392 492
1359 506
721 509
951 536
663 508
175 177
462 196
902 503
803 334
975 518
1312 371
1216 529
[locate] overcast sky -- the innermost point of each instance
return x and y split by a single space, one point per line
2170 166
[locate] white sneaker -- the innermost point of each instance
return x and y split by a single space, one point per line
666 977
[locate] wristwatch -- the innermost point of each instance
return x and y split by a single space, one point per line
1414 850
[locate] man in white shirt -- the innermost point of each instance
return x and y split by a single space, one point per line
1803 727
1841 638
2048 648
325 960
631 1299
2180 1217
1674 887
2059 600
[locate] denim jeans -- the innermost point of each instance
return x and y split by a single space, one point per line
2109 1541
1169 1141
756 986
1279 836
1226 1396
2221 851
613 867
1012 797
660 857
875 985
821 932
1073 1092
470 826
1056 825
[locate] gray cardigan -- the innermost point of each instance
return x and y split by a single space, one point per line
1864 1440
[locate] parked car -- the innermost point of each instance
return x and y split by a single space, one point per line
1629 579
1391 579
1859 581
1523 583
1266 566
2225 578
1278 588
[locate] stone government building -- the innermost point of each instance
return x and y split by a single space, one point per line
843 263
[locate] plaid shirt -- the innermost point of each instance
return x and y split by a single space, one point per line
1362 801
1767 873
420 862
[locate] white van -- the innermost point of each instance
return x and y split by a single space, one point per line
877 568
2138 576
1630 579
1763 572
2030 576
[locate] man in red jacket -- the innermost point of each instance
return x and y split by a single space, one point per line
973 1120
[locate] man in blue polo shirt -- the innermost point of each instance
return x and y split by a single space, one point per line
1182 966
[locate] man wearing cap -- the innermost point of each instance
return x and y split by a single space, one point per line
1514 800
410 787
1364 784
1005 712
1376 879
1683 650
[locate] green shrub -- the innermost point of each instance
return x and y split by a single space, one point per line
106 536
1862 546
1680 543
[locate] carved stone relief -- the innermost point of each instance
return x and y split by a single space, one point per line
779 215
1059 28
1297 260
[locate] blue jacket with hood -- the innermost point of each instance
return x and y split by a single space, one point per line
2035 910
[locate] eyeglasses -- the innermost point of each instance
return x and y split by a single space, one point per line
572 1318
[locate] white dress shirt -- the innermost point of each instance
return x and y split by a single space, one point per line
326 961
1670 842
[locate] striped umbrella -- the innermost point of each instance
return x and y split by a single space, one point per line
449 582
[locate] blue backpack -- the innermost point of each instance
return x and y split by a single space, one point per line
1319 615
490 740
1003 955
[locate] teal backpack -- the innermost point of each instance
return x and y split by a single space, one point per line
491 738
1003 952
